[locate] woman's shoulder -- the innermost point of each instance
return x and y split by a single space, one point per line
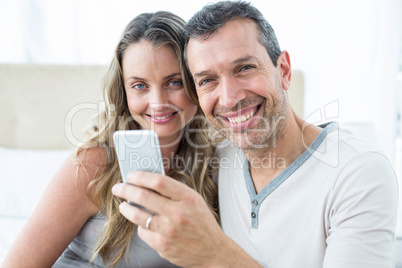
84 166
93 155
92 160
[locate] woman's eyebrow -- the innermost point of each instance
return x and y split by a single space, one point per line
172 75
136 78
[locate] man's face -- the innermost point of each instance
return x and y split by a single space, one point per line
240 90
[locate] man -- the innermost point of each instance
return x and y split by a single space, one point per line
291 194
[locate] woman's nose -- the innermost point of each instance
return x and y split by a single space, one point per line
159 96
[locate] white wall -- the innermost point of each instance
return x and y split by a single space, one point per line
349 53
347 49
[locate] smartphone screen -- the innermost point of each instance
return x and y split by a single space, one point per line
138 150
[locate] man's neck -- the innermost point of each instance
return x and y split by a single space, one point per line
267 163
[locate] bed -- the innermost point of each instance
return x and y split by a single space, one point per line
44 109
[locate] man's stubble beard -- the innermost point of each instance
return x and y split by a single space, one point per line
267 129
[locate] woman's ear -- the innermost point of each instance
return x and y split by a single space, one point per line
284 69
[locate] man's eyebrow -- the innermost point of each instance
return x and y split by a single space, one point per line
243 59
201 73
237 61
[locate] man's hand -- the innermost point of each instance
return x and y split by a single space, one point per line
183 230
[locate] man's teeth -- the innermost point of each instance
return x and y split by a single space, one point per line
162 117
242 118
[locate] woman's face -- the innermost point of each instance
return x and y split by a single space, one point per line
154 88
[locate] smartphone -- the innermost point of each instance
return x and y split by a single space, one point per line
138 150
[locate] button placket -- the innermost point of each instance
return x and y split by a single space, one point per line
254 213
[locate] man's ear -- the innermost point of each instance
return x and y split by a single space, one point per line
284 69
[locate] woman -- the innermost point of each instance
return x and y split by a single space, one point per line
147 87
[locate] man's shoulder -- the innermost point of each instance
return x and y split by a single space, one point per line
357 143
336 147
334 135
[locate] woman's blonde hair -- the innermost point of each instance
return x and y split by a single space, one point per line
160 28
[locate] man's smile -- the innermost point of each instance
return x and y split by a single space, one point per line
241 116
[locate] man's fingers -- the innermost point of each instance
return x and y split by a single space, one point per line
143 197
164 185
138 216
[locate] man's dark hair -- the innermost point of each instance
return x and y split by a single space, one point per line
211 17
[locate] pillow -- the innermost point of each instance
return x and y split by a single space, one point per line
24 175
9 229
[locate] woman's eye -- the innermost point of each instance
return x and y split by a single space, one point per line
139 86
176 83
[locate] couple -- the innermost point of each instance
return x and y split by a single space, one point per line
304 213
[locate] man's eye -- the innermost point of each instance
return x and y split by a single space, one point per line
205 81
246 67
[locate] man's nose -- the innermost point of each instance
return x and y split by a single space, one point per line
231 92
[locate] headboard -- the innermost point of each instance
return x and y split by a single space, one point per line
36 99
47 106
